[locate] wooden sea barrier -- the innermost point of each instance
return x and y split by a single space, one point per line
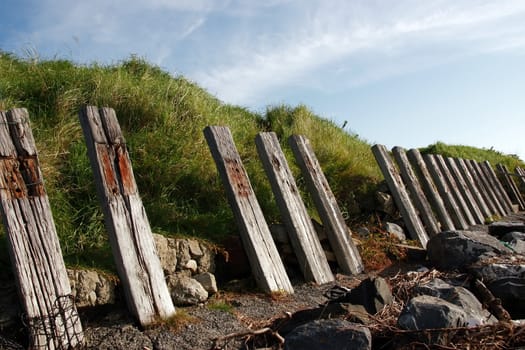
430 189
130 235
40 272
510 185
267 266
445 192
474 189
416 191
458 195
299 226
465 190
497 186
488 188
399 192
521 174
338 233
489 201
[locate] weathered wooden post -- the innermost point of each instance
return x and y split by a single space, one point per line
445 192
267 266
40 272
301 231
414 156
500 210
521 174
465 189
400 194
480 184
496 185
128 227
416 192
454 188
337 232
509 183
474 190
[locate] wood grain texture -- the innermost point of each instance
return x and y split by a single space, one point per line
497 186
473 186
510 186
430 189
338 233
130 235
36 257
301 231
482 178
267 266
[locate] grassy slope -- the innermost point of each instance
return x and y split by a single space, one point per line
162 118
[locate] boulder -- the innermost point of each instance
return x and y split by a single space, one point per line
91 287
167 252
185 290
515 240
427 312
207 280
511 292
459 296
458 249
500 228
329 334
385 203
373 293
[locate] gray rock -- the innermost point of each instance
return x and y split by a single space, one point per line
185 290
458 249
91 288
511 292
396 230
500 228
167 252
385 203
116 338
363 232
516 241
207 261
183 254
373 293
195 248
207 280
329 334
489 271
191 265
459 296
426 312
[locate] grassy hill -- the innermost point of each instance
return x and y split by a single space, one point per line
162 117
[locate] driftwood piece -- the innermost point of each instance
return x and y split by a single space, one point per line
455 189
497 186
130 235
465 189
301 231
400 194
40 272
416 192
420 167
510 186
267 266
474 189
445 192
488 188
338 233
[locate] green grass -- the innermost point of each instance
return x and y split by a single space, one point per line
162 117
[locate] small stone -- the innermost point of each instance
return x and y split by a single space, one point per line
195 248
396 231
191 265
185 290
207 280
363 232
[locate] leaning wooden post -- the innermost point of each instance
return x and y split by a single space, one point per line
400 194
474 189
301 231
414 156
458 195
445 192
464 187
521 174
498 188
412 182
480 184
40 272
337 232
509 183
488 188
128 227
267 266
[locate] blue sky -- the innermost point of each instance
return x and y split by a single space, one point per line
399 72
